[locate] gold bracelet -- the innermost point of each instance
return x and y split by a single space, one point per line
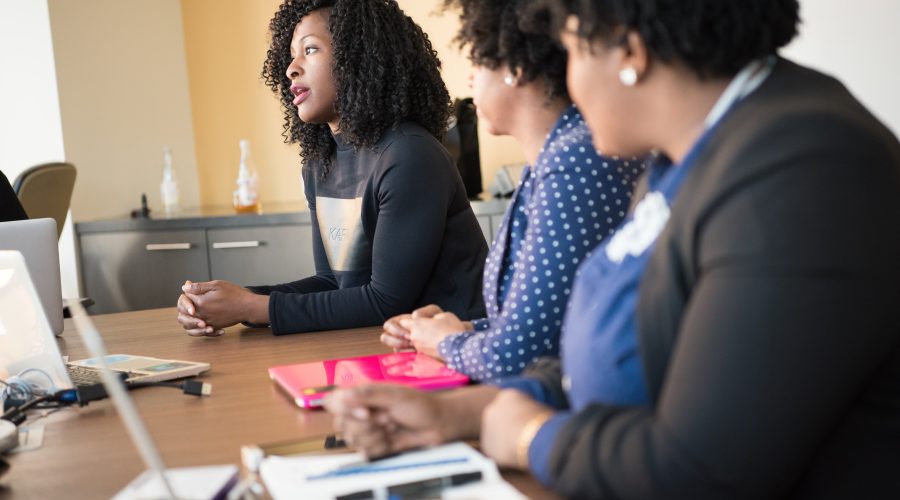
526 436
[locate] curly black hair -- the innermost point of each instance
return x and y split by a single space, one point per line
514 34
714 38
385 70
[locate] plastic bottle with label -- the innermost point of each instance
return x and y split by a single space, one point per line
246 196
168 188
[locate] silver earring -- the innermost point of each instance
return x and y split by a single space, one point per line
628 76
510 80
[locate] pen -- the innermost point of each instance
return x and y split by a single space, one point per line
417 489
374 467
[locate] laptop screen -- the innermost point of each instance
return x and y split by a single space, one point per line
36 239
26 341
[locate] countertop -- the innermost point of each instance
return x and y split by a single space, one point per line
272 214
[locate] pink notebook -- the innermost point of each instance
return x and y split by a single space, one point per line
307 383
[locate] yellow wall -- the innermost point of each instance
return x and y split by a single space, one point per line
441 28
225 45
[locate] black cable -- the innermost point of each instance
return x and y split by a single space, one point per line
193 387
138 385
85 394
95 392
16 414
28 405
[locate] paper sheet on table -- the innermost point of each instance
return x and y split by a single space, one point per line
288 477
189 483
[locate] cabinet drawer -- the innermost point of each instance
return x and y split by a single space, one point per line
261 255
485 222
125 271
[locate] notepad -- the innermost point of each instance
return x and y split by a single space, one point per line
318 476
308 383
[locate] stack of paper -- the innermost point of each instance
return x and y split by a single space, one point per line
330 476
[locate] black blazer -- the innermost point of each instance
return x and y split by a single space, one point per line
768 319
10 207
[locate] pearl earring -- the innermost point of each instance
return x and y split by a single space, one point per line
628 76
510 80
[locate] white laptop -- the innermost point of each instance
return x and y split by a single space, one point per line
27 342
211 482
36 239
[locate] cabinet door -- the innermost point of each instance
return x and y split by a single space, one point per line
261 255
496 222
485 222
127 271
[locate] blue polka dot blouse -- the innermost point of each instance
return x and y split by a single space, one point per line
565 204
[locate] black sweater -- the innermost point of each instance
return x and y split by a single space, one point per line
768 317
392 230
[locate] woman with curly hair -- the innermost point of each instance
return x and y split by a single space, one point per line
392 226
568 193
760 263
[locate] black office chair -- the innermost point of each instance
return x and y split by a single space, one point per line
461 141
46 191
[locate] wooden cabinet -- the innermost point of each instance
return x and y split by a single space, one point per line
132 264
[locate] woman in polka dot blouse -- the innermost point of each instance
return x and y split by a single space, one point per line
568 199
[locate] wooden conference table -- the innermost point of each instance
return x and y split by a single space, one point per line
86 452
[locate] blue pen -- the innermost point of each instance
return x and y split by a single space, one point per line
379 467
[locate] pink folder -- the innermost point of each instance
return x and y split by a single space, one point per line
307 383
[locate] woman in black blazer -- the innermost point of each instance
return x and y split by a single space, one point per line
10 207
766 319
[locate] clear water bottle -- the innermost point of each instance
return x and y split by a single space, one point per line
168 188
246 196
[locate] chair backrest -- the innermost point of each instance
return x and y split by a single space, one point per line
46 191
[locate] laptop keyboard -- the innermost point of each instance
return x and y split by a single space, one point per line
83 376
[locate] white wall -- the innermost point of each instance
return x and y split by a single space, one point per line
30 125
858 42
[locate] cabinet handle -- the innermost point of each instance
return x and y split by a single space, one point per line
236 244
155 247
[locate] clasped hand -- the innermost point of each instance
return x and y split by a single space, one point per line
205 309
423 330
382 419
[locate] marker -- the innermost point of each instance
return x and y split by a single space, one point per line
417 489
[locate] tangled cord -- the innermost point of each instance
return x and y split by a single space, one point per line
21 388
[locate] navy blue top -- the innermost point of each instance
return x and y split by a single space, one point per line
563 207
600 333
